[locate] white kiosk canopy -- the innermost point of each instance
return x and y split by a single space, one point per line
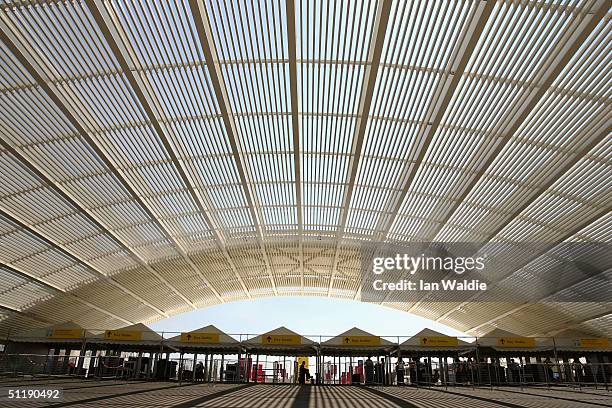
208 337
281 340
354 341
136 334
503 341
576 341
68 332
431 340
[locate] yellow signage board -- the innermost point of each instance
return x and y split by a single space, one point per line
360 341
599 343
66 334
302 359
438 341
200 338
122 335
281 339
524 342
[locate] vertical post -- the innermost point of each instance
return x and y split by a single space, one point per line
180 368
335 369
151 357
239 364
193 367
211 368
92 363
81 359
416 371
522 377
496 367
257 368
205 370
222 368
446 373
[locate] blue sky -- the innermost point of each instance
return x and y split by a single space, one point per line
305 315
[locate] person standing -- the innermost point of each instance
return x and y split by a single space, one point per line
303 374
383 372
369 371
400 370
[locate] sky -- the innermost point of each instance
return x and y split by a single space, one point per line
304 315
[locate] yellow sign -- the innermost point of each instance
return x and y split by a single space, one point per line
66 334
525 342
302 359
602 343
281 339
122 335
438 341
201 338
360 341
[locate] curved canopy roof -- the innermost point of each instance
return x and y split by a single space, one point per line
158 157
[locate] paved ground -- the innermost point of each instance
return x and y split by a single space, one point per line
92 394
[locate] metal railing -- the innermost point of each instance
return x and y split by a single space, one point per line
419 373
492 374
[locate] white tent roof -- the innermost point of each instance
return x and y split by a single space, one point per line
570 340
355 331
301 346
490 340
148 336
224 339
278 332
43 334
415 341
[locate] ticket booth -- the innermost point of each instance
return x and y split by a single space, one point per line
54 350
582 359
357 357
129 353
207 355
274 357
432 358
506 358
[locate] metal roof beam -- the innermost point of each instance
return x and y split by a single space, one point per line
559 58
573 324
565 237
442 97
115 38
204 31
62 193
10 37
77 260
526 304
26 314
295 123
55 289
379 30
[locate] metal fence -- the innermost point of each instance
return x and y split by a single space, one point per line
421 372
465 373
